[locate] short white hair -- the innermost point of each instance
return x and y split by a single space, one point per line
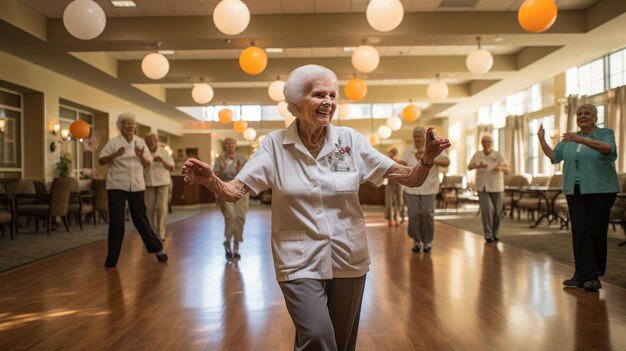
299 81
126 116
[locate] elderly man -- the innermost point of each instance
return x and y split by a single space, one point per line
490 167
158 180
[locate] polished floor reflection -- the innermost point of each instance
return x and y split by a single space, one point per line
465 295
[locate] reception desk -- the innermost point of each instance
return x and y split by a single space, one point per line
184 194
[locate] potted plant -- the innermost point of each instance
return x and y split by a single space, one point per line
64 165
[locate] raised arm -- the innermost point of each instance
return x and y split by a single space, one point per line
547 150
415 176
196 171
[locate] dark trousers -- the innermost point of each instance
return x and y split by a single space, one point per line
589 214
137 207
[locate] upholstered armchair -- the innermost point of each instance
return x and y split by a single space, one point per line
56 204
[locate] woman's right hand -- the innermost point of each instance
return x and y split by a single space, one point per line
196 171
541 133
434 145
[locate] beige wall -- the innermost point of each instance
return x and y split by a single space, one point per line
55 86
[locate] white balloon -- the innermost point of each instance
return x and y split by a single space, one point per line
395 123
282 109
155 66
249 134
202 93
384 132
231 17
437 91
84 19
384 15
365 59
479 61
275 90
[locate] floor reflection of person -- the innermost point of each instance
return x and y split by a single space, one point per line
420 201
319 242
158 181
590 185
126 157
394 206
226 167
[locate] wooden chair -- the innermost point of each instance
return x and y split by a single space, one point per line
449 189
100 199
81 204
57 203
531 201
512 195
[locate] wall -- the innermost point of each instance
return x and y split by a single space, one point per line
55 86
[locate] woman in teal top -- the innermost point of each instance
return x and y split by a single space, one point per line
590 185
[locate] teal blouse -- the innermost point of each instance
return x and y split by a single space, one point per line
594 171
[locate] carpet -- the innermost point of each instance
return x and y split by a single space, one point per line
545 240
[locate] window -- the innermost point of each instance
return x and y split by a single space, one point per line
617 69
538 163
10 137
80 157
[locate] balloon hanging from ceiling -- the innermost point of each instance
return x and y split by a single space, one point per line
537 16
384 15
253 60
275 90
155 66
355 89
411 113
202 93
84 19
365 59
225 115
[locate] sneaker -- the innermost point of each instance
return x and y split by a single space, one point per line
237 255
495 238
427 248
161 256
592 285
416 248
489 240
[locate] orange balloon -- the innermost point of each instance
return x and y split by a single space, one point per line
537 15
411 113
79 129
253 60
355 89
225 115
240 125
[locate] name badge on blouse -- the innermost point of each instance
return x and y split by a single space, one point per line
341 159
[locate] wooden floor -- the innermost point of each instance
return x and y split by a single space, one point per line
465 295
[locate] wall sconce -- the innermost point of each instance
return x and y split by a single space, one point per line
3 123
62 135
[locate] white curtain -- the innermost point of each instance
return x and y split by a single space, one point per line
515 141
615 118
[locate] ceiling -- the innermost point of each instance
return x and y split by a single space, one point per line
433 38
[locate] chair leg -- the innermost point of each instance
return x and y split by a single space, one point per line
48 224
66 221
80 221
93 215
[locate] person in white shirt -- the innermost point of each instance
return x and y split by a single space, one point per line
394 205
158 180
126 157
319 243
226 167
421 201
490 167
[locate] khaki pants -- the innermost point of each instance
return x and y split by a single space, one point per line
156 207
234 217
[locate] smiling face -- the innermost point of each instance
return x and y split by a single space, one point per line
419 138
487 143
318 106
127 127
586 117
230 145
151 142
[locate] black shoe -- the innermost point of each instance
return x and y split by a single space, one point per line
573 283
161 257
489 240
237 255
495 238
427 248
592 285
416 248
108 264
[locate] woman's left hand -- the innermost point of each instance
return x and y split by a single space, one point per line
571 137
434 146
139 151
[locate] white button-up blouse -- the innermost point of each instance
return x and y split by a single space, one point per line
156 174
318 228
126 171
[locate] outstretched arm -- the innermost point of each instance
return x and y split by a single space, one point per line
415 176
196 171
547 150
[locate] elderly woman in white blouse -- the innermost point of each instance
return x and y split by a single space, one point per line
319 242
127 156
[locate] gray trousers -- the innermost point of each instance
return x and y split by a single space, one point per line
421 217
234 217
491 209
325 312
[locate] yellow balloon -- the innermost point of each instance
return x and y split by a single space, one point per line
225 115
537 15
253 60
355 89
411 113
240 125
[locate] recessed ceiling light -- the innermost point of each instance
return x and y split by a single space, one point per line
167 52
126 3
349 48
274 50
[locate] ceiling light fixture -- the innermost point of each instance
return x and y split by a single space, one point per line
384 15
437 90
365 59
275 90
154 65
202 93
123 3
231 17
84 19
479 61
